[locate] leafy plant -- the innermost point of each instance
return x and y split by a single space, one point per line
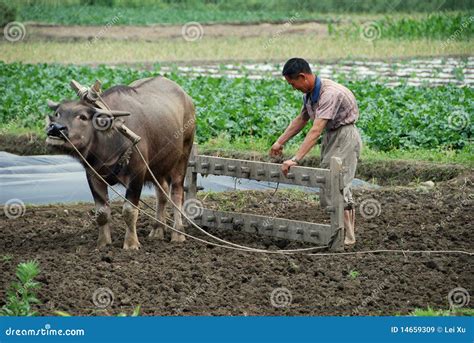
7 257
21 294
402 117
353 274
135 313
430 312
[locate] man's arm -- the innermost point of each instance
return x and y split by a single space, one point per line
309 141
295 126
293 129
311 138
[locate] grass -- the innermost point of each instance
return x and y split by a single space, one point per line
429 312
250 145
262 146
144 12
227 49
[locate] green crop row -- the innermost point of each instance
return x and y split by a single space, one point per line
403 117
433 26
144 12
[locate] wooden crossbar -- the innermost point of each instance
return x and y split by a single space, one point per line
329 182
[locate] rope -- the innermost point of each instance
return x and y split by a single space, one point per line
168 226
204 231
259 250
233 246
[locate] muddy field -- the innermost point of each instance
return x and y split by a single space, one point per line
198 279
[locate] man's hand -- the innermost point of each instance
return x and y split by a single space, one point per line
285 167
276 150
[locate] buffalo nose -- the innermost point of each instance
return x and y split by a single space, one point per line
54 129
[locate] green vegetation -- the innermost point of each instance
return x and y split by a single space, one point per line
21 295
434 26
142 12
135 313
429 312
255 146
6 258
354 274
403 117
7 13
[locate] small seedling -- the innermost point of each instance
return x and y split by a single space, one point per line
21 294
6 258
354 274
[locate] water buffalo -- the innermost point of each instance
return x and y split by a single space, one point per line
163 115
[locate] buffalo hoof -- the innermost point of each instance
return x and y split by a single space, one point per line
103 242
157 233
177 237
131 245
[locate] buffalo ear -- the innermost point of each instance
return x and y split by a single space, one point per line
53 105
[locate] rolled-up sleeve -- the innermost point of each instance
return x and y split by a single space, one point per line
304 113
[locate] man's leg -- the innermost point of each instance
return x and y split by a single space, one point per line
344 143
351 156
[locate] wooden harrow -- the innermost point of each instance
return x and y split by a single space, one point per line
328 181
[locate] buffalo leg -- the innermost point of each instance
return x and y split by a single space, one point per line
102 209
130 213
177 195
158 230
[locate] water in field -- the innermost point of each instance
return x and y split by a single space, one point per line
415 72
48 179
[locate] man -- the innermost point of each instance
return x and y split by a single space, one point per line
333 108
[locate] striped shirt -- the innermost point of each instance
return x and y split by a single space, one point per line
336 103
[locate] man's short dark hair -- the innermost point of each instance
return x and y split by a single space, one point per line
295 66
